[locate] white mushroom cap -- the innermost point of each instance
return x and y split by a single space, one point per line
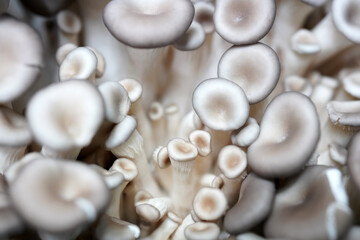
68 22
80 63
193 38
117 102
255 68
232 161
220 104
144 24
244 22
152 209
305 42
21 57
204 12
202 140
289 133
298 84
202 231
126 167
351 84
121 132
346 16
162 158
180 150
14 130
133 88
209 204
63 194
101 64
344 112
65 115
247 134
63 51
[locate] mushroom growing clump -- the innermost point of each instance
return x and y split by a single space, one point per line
179 119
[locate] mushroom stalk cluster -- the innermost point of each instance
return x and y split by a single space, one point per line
179 119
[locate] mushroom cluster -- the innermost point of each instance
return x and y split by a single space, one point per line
180 119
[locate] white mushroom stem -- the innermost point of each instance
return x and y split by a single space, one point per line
69 27
164 231
158 123
189 123
153 209
163 169
179 233
182 156
172 116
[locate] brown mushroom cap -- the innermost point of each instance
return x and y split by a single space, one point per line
220 104
244 22
316 201
289 133
145 24
21 57
250 67
346 16
255 203
58 195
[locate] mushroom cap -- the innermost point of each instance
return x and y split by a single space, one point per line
193 38
244 22
346 16
68 22
316 201
144 24
202 140
14 130
289 133
117 102
220 104
66 114
255 68
204 12
346 113
232 161
209 204
353 160
21 57
202 231
180 150
126 167
133 88
247 134
63 51
46 7
351 84
121 132
64 194
254 205
80 63
305 42
298 84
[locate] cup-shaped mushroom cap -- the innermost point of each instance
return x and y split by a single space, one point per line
152 209
346 16
148 24
297 84
255 68
112 178
204 12
68 22
254 205
80 63
232 161
63 51
353 160
133 88
316 201
65 115
289 133
46 7
20 59
202 231
202 140
351 84
162 158
101 64
220 104
121 132
64 194
180 150
193 38
209 204
247 134
245 21
126 167
14 130
345 113
305 42
117 102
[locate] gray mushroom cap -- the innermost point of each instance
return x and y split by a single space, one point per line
148 24
289 133
312 206
254 205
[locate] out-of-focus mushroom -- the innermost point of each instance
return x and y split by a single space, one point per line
4 6
316 201
305 42
153 209
251 66
63 51
69 25
166 229
247 134
120 14
204 12
289 133
193 38
202 231
254 205
202 140
351 84
244 22
46 7
68 194
64 117
298 84
21 58
110 228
